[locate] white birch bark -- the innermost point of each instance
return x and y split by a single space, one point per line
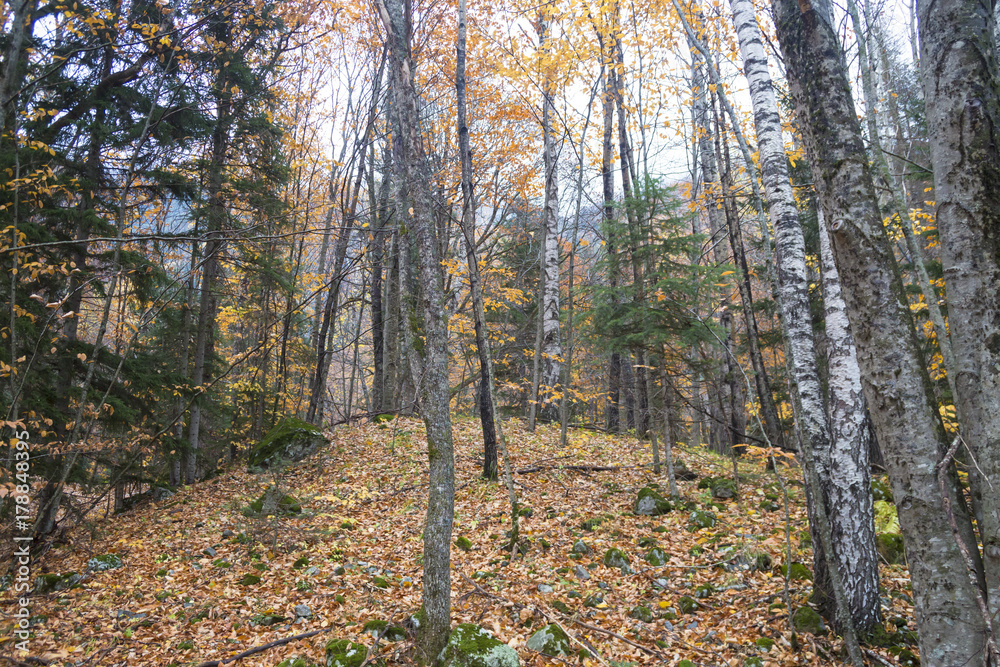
844 509
894 377
551 347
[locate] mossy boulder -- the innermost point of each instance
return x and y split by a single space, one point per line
104 562
49 583
290 440
273 502
657 557
345 653
642 613
649 502
890 547
723 488
615 558
471 646
551 640
297 662
687 605
700 519
799 572
383 629
463 543
807 619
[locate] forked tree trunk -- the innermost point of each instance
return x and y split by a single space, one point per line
962 94
411 168
895 380
851 521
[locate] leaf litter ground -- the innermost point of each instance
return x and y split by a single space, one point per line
202 581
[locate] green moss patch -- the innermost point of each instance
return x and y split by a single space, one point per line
290 440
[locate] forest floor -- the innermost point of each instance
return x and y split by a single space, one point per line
186 594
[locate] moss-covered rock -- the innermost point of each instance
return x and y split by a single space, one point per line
687 605
249 580
800 572
764 643
345 653
723 488
379 628
551 640
463 543
890 547
615 558
807 619
49 583
104 562
580 548
642 613
649 502
297 662
471 646
590 524
290 440
657 557
699 519
706 482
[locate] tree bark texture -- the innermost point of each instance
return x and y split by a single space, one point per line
843 471
551 347
894 376
962 94
410 163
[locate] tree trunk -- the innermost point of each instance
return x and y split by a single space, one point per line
846 471
411 168
551 357
897 200
894 376
613 420
962 94
761 381
851 518
468 223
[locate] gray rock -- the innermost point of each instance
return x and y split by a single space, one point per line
290 440
311 570
210 552
302 611
692 625
581 573
226 534
603 586
551 641
668 626
580 547
544 588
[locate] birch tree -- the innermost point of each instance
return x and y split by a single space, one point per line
846 493
894 377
